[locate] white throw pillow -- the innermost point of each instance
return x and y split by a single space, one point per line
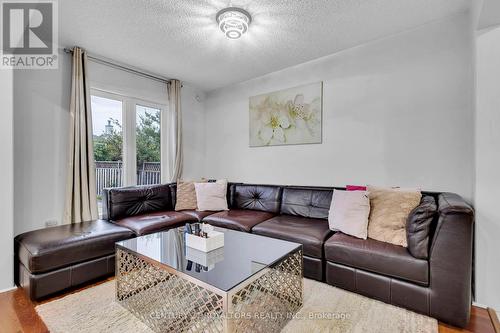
349 212
211 196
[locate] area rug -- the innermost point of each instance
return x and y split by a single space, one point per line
325 309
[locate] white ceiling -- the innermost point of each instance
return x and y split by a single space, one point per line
180 38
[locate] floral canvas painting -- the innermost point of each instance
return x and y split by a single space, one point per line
287 117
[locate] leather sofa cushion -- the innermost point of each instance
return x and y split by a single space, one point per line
418 227
137 200
155 222
238 219
377 257
51 248
307 202
311 233
197 215
266 198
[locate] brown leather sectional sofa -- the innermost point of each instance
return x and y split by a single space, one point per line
53 259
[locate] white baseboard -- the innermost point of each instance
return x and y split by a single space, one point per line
8 289
479 305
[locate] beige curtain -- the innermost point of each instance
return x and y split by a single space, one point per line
174 158
81 200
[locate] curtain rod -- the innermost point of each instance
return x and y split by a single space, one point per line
122 67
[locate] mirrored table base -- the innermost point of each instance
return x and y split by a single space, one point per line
167 300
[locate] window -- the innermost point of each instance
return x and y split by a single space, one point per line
108 142
127 141
148 150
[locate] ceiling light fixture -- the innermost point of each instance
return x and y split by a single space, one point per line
233 21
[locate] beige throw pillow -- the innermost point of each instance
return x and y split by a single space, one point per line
349 213
388 213
186 195
211 196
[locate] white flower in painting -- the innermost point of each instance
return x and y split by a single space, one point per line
298 109
273 125
303 115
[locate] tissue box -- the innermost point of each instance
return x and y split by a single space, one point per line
214 241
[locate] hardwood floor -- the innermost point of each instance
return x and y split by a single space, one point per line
480 322
18 315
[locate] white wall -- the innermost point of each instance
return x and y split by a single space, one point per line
41 118
397 111
41 104
193 132
487 191
6 175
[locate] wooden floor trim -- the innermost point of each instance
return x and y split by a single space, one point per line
494 319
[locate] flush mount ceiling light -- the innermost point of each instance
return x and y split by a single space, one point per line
233 21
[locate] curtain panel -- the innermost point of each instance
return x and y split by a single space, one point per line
81 199
174 140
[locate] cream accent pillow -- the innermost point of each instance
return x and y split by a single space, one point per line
389 211
186 195
211 196
349 213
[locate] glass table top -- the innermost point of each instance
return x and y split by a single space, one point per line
242 255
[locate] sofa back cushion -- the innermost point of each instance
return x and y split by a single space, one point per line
418 226
185 198
173 193
389 211
349 213
313 202
136 200
266 198
211 196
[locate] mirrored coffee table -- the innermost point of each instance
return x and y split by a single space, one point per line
252 284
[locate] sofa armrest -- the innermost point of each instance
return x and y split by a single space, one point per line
451 260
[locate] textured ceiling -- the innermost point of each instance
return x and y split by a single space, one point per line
179 38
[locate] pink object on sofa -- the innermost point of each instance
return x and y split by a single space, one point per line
355 188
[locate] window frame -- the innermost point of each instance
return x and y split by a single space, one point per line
129 129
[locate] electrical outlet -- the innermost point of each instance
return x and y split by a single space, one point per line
51 223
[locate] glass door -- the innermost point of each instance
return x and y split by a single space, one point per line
107 115
148 146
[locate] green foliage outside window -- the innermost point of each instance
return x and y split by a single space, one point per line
148 137
108 146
